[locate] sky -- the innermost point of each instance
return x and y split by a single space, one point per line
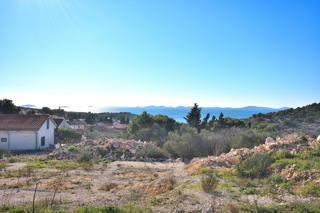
226 53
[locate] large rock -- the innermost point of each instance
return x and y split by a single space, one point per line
234 160
318 139
269 140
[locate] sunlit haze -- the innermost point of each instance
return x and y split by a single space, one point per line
172 53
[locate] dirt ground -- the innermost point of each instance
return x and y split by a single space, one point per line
164 186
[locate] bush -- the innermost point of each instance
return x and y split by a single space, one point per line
154 152
289 123
251 138
84 157
209 182
106 209
95 134
4 153
309 120
282 153
188 143
277 179
72 147
255 166
312 189
68 135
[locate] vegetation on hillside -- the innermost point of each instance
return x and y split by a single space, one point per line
8 107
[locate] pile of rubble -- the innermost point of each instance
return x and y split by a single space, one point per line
112 149
235 156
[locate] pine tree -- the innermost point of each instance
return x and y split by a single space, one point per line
194 117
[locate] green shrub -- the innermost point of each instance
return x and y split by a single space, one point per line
72 147
295 207
154 152
209 182
309 120
312 189
83 157
282 153
170 183
277 179
186 143
4 153
106 209
289 123
255 166
251 138
228 174
204 171
3 164
68 135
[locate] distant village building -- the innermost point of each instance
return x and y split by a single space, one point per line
26 132
76 124
122 127
105 124
61 123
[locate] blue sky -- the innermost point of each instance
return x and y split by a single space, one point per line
137 53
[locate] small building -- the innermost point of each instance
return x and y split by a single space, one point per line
122 127
105 124
61 123
26 132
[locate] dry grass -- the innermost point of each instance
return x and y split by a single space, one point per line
293 137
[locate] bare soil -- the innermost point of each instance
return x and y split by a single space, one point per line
163 186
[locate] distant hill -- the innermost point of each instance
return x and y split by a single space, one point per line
28 105
257 107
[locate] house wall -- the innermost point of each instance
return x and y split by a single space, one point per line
47 133
64 124
18 140
21 140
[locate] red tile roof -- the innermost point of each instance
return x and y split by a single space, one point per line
107 123
22 122
121 126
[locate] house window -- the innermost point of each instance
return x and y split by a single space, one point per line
43 141
4 140
48 124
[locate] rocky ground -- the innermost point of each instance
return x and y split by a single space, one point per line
165 186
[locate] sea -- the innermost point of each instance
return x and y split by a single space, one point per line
178 113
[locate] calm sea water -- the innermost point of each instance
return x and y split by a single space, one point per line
178 113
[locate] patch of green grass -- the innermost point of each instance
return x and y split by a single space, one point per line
156 201
299 164
287 186
72 148
311 189
104 160
228 174
194 185
297 207
204 171
227 186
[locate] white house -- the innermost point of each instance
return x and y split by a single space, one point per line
61 123
25 132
